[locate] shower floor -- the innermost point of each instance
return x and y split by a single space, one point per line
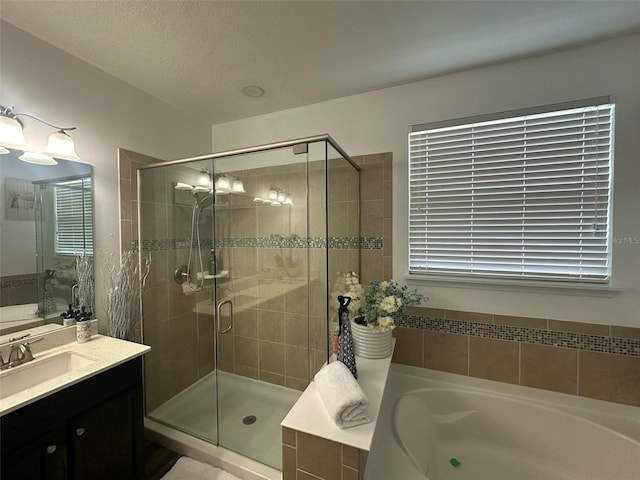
193 411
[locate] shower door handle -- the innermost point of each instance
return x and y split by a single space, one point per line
230 327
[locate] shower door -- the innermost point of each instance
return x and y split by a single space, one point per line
261 297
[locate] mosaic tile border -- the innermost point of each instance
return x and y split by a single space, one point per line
19 282
337 243
553 338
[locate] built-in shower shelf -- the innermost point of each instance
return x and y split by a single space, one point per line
208 276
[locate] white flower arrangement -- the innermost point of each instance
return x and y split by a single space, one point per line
385 303
380 308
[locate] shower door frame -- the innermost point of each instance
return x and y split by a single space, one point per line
327 139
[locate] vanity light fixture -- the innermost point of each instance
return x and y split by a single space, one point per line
59 145
203 179
237 186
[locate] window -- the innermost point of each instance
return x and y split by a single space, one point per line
73 217
516 195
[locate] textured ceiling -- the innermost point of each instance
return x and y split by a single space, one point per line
197 55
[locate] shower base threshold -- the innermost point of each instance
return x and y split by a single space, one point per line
185 444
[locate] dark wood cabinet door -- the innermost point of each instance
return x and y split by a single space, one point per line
101 441
43 459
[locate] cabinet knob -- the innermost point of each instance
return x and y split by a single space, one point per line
51 449
79 431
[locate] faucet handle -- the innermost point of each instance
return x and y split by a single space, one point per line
16 354
28 354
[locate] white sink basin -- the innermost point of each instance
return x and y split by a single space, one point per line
37 371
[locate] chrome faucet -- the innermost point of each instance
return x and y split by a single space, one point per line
20 353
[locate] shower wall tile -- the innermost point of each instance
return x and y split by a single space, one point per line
227 350
179 302
271 326
157 388
246 352
184 366
247 372
151 227
296 383
157 335
183 330
246 323
274 378
296 329
206 356
155 305
297 362
205 325
272 357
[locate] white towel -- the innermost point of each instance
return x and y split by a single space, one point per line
189 469
342 396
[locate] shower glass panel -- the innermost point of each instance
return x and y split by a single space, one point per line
235 308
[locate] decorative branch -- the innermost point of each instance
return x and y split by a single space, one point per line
84 274
126 284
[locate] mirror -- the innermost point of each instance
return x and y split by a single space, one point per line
46 225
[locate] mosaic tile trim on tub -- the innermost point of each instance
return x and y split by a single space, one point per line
18 281
553 338
336 243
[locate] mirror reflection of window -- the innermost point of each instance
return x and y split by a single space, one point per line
73 217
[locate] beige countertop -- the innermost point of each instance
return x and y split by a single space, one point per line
104 353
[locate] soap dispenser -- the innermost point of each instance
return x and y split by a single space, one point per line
83 326
68 317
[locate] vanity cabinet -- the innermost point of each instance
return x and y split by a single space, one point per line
89 431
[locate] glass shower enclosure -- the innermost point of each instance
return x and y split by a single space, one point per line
244 246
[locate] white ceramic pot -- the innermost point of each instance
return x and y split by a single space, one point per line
370 344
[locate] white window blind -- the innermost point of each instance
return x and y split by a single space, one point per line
73 217
526 196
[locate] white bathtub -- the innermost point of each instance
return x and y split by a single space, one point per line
498 432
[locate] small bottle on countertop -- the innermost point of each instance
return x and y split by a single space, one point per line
83 326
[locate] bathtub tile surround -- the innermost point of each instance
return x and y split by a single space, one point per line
18 289
590 360
306 456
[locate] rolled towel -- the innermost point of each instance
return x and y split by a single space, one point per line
342 396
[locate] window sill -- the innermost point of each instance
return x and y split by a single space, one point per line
524 286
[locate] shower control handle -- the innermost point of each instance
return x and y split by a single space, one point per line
230 327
